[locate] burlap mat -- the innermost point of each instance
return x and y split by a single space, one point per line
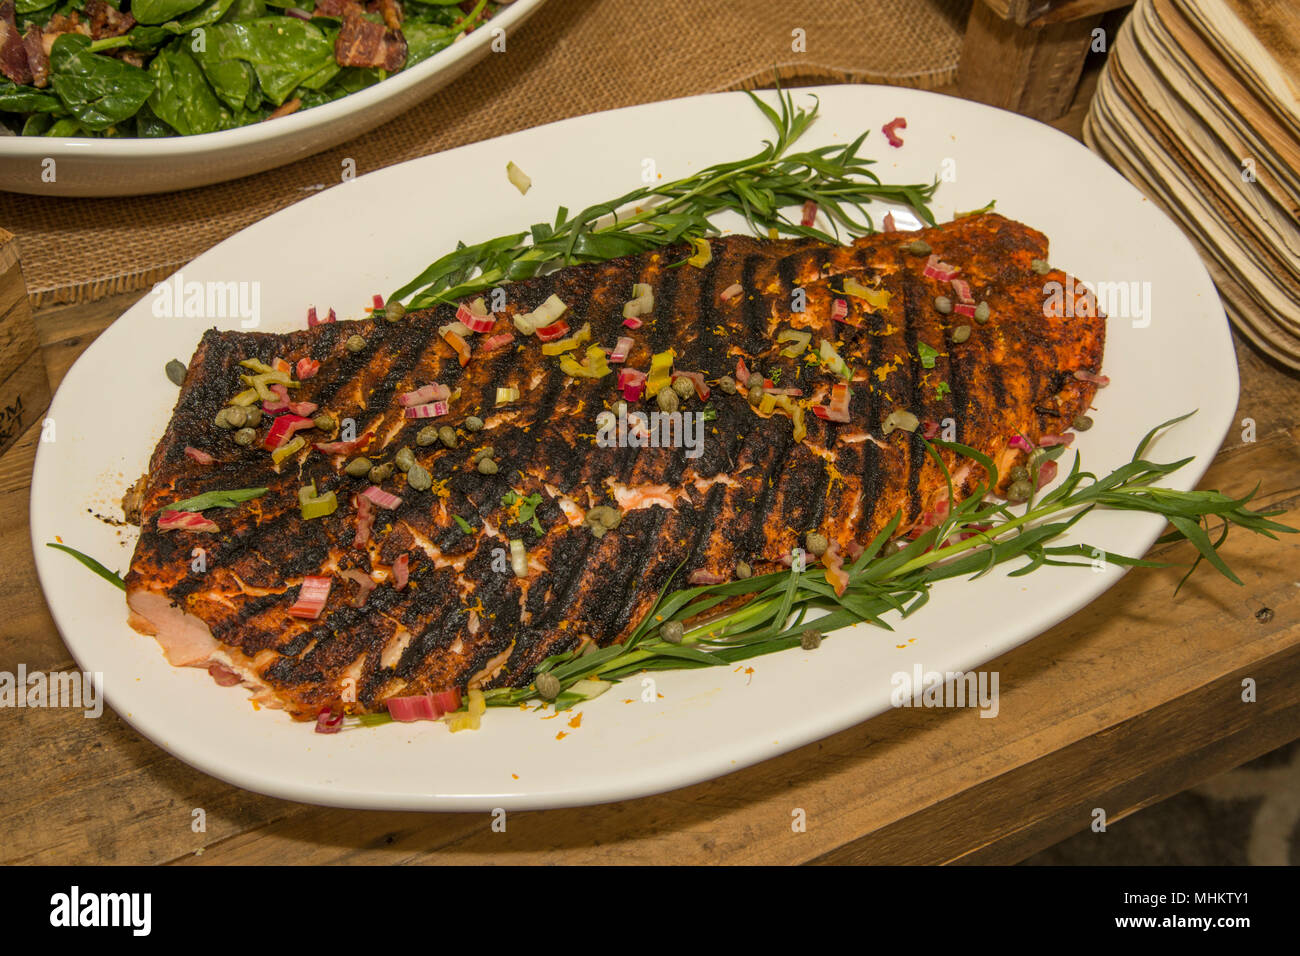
572 57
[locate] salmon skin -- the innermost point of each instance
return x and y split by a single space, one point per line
750 493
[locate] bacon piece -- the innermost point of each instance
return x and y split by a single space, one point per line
284 109
105 21
13 54
202 457
335 8
401 571
364 43
37 59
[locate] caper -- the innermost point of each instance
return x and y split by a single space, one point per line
236 416
918 247
943 304
245 436
743 570
604 516
816 543
223 418
427 435
811 639
667 400
1019 491
960 334
1019 473
982 313
418 477
175 370
727 384
473 424
324 421
755 394
548 686
1082 423
487 467
755 379
486 452
358 467
355 343
394 311
252 416
404 458
1041 266
672 632
684 388
447 435
381 473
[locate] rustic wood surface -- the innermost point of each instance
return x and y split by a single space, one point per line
24 386
1136 697
1029 70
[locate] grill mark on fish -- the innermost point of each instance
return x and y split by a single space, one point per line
916 459
755 322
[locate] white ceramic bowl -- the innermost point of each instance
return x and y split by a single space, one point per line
134 167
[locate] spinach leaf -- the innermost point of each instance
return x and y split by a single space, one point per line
37 124
67 126
423 40
149 126
22 7
282 51
182 98
97 90
233 80
160 11
245 10
26 99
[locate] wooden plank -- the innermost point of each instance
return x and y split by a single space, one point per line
1041 12
1063 11
24 389
1029 71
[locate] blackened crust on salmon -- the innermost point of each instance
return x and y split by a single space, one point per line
752 493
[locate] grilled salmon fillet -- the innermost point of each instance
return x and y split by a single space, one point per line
750 494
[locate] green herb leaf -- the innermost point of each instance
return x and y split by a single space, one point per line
927 354
761 188
216 499
111 576
464 525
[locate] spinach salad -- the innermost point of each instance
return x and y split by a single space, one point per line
147 68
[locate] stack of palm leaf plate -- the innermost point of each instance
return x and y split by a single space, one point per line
1198 106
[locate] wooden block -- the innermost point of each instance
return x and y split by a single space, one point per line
1042 12
1032 71
24 387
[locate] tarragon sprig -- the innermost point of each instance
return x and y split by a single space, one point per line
975 537
760 188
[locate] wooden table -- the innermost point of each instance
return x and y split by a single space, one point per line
1134 698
